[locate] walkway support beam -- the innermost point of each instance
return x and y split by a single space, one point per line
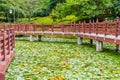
79 40
39 37
31 38
91 41
118 48
99 45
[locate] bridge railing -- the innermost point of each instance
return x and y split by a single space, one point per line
96 27
6 50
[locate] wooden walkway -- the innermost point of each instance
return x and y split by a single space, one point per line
94 30
103 31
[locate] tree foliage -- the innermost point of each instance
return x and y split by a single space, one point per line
117 7
84 9
59 9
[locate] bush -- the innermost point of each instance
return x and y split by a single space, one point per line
45 20
69 18
38 20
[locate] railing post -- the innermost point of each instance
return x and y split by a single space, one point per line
93 26
43 27
74 26
116 34
62 27
8 33
26 28
90 27
52 27
18 27
71 27
34 27
117 26
13 35
11 41
3 62
4 27
106 24
84 26
96 27
79 25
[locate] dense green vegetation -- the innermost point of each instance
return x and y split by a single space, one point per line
38 20
58 10
63 59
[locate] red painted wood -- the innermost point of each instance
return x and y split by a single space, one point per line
6 47
97 26
42 27
62 27
106 25
105 28
90 26
117 26
84 24
52 27
2 76
79 26
74 27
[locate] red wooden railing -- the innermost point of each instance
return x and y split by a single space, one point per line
107 28
91 29
7 43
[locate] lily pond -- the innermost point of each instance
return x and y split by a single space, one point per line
63 59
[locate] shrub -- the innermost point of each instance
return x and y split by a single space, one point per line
69 18
45 20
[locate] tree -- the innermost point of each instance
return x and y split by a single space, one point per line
46 7
84 9
3 9
117 7
29 7
43 9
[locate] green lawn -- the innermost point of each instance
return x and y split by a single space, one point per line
63 59
37 20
